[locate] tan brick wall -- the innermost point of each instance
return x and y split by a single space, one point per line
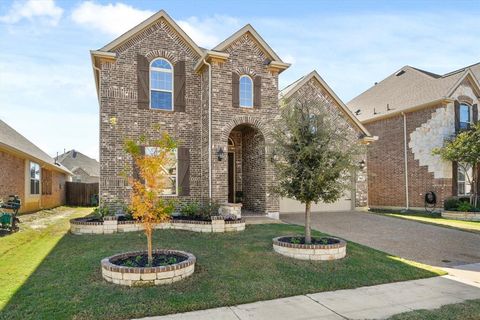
13 181
12 175
386 166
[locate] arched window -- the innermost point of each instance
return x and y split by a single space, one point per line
246 92
161 84
465 116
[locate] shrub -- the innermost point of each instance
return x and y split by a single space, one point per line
208 209
191 209
464 206
101 211
451 204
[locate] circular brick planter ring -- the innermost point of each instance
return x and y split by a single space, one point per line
147 276
337 249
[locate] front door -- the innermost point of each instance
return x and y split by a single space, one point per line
231 177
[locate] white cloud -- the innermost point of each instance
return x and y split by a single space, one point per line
210 31
45 11
115 19
112 19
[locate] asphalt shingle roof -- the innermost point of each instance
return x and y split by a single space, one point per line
11 139
406 88
73 160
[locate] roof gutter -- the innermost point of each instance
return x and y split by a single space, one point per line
444 100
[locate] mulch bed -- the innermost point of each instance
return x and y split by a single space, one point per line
301 240
141 261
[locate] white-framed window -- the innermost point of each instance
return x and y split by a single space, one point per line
161 85
464 186
170 171
34 178
465 116
246 92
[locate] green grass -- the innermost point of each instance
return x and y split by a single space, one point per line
470 226
469 310
51 274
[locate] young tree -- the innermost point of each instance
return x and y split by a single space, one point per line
464 149
148 179
314 151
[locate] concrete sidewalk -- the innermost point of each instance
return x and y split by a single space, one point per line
375 302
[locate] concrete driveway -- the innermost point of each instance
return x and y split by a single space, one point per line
412 240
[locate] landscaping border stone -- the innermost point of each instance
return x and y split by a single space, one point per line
147 276
82 226
311 251
461 215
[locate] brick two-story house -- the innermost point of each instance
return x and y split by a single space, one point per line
412 112
219 105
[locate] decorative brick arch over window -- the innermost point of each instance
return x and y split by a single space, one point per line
246 71
152 55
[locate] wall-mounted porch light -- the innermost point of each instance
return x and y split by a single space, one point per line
220 154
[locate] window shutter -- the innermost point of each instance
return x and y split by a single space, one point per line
474 113
135 168
257 92
179 86
235 90
454 178
457 116
183 155
143 82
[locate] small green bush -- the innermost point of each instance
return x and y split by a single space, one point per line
451 204
208 209
190 209
464 206
101 211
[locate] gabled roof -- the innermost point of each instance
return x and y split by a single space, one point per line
145 24
74 160
289 90
248 29
410 88
14 142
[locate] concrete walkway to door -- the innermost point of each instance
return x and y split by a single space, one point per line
429 244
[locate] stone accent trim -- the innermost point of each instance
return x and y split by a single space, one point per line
80 226
244 119
162 54
129 276
461 215
311 251
230 209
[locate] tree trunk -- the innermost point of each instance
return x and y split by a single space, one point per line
149 247
475 185
308 229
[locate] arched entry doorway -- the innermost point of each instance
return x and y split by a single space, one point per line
246 168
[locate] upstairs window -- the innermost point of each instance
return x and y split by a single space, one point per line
161 85
34 178
465 116
246 92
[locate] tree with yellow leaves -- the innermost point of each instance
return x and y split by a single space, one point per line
150 157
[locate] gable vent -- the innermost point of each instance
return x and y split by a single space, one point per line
399 73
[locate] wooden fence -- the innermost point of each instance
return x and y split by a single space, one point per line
81 194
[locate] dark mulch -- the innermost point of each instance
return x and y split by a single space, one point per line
301 240
141 261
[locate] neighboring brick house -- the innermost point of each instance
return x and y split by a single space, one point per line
413 111
83 168
219 105
29 172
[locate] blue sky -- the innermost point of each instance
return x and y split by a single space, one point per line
46 83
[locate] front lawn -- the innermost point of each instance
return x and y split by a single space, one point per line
50 274
470 226
468 310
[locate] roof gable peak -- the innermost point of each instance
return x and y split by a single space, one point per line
162 14
248 29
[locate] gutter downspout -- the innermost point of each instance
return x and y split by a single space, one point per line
209 129
407 206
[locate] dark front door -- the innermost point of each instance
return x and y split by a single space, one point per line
231 177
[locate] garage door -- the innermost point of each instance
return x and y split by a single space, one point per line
293 206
